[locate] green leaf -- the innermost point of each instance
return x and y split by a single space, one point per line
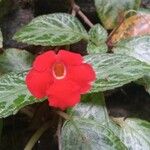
85 134
87 130
145 81
53 29
137 47
134 133
14 94
115 70
1 39
92 48
15 60
98 37
92 107
143 11
91 128
111 12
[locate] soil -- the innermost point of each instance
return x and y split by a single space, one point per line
128 101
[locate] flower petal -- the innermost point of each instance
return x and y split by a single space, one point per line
84 87
69 58
63 94
37 83
44 61
83 75
69 101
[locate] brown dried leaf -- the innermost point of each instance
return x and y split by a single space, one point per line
136 25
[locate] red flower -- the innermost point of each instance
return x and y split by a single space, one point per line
61 77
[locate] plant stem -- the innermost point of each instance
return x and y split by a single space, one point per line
59 133
36 136
63 115
76 8
85 19
27 112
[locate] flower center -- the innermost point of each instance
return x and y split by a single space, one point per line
59 70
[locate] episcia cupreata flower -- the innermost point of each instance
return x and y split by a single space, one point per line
61 77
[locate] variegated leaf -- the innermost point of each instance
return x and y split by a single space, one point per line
53 29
